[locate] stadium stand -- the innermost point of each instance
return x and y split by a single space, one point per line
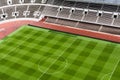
117 22
111 30
64 13
111 8
105 19
77 15
56 2
82 15
3 2
21 10
88 26
96 20
51 19
50 11
8 11
84 25
82 5
95 6
69 3
32 8
49 38
66 22
91 17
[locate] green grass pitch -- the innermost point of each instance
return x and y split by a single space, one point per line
32 53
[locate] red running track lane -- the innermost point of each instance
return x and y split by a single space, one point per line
93 34
13 25
9 27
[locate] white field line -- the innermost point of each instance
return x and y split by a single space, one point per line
111 73
105 76
55 60
16 47
114 69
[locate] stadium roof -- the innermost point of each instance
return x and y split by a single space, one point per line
115 2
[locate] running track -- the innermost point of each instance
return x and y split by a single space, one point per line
9 27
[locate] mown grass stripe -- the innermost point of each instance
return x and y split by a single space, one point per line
116 74
100 62
43 43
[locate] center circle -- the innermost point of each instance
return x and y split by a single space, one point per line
52 64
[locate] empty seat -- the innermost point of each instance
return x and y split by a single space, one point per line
95 6
38 1
22 1
112 30
9 11
0 14
50 2
82 5
111 8
39 11
66 22
117 21
105 19
21 10
13 1
50 11
88 26
77 15
3 2
56 2
41 8
51 19
69 3
32 9
91 17
118 10
64 13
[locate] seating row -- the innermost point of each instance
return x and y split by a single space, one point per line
83 25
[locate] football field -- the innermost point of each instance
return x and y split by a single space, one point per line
33 53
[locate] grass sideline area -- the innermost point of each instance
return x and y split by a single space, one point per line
33 53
